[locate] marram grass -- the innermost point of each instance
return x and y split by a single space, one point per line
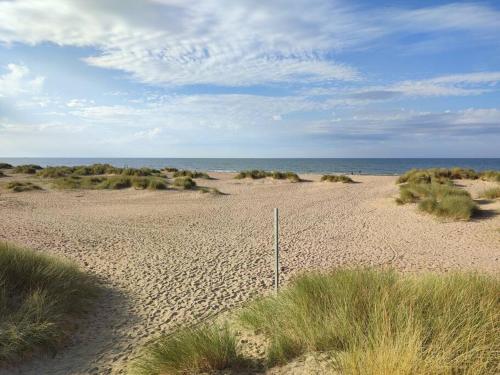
189 351
39 297
492 193
379 322
368 322
19 186
337 178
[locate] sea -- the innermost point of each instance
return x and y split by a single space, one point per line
371 166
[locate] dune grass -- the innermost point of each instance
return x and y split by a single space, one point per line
170 169
378 322
189 351
139 172
39 297
2 174
191 174
337 178
256 174
185 183
5 166
110 182
18 187
27 169
492 193
490 176
438 175
439 199
54 172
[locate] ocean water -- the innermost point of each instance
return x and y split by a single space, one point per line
337 165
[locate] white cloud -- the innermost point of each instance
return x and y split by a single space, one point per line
18 80
226 42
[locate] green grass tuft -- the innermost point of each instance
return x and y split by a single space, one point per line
256 174
337 178
437 175
5 166
27 169
184 183
18 187
189 351
378 322
139 172
492 193
170 169
39 297
2 174
191 174
54 172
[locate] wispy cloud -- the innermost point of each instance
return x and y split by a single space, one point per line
17 80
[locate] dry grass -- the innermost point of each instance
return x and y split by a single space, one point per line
5 166
27 169
492 193
258 174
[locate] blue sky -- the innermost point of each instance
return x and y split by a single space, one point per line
249 78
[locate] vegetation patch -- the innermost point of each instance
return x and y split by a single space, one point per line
492 193
490 176
5 166
438 199
190 351
40 296
18 187
139 172
170 169
54 172
210 190
2 174
337 178
191 174
151 183
185 183
256 174
378 322
27 168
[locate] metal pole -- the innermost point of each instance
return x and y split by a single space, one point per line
276 253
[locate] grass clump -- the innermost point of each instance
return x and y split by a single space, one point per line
151 183
185 183
139 172
490 176
39 297
437 175
190 351
337 178
54 172
77 182
492 193
256 174
378 322
440 200
18 187
2 174
95 170
170 169
27 168
5 166
191 174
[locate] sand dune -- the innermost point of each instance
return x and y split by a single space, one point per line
171 257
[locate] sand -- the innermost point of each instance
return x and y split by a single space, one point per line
167 258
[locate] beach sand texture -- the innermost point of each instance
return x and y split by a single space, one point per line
171 257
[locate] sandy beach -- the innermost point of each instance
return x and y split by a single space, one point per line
167 258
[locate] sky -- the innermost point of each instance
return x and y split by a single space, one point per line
249 78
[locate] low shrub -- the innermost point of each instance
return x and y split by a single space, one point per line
337 178
95 169
27 168
115 183
184 183
18 187
189 351
40 296
191 174
437 175
2 174
492 193
5 166
379 322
